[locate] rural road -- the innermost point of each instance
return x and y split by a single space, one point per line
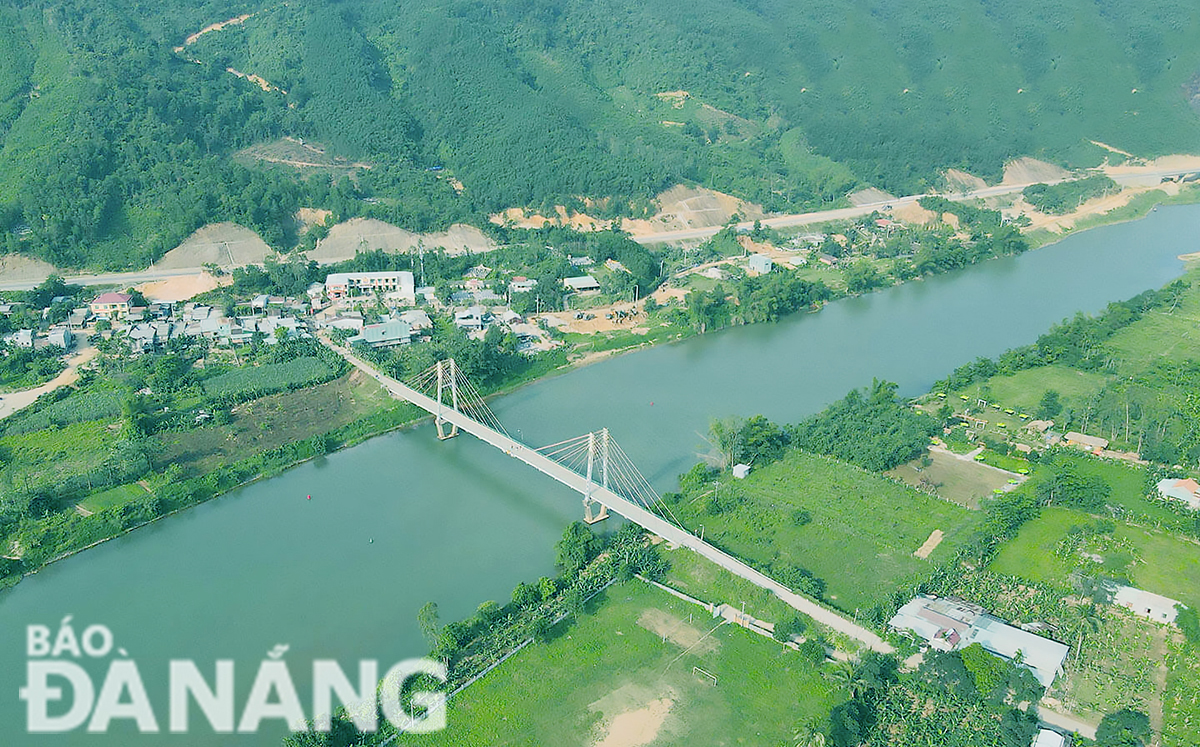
1066 723
125 279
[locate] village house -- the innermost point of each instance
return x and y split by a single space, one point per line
1185 491
383 335
61 337
1088 443
947 624
521 284
582 284
110 305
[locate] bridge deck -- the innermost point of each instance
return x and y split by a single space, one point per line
615 502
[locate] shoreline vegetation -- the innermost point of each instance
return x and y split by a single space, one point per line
274 461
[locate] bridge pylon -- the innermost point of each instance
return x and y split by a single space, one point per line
598 452
447 382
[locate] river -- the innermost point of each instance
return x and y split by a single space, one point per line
404 519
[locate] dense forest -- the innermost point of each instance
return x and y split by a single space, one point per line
118 135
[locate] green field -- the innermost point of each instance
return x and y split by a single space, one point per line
272 421
117 496
862 536
615 664
1163 335
44 458
1023 390
1151 560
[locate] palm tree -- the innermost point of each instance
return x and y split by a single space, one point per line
808 734
845 675
1089 618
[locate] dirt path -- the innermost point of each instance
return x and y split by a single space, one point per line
15 401
935 539
235 21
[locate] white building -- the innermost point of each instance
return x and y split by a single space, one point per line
582 284
1047 738
760 263
1146 604
398 284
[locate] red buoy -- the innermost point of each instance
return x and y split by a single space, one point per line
310 497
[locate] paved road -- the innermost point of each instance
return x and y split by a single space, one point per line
822 216
123 279
616 503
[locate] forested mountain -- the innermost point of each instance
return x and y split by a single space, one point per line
114 145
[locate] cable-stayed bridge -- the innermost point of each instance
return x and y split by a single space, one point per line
592 465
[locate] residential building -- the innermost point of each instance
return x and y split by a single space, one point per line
952 624
416 319
521 284
1146 603
61 337
582 284
581 261
341 285
1186 491
110 305
383 335
22 338
471 318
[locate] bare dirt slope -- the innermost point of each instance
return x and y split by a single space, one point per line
15 268
683 207
222 244
1027 170
367 234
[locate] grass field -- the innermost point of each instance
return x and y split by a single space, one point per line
962 481
48 456
613 676
863 532
1152 560
1023 390
1169 334
272 421
118 496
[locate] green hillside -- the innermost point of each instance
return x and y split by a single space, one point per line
113 146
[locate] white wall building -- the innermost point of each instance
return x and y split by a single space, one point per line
398 284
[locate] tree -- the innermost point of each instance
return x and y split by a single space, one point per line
790 626
428 620
1124 728
1049 406
576 548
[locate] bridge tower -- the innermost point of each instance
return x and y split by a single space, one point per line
447 379
598 451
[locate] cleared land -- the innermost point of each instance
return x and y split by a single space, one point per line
962 481
863 531
608 680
